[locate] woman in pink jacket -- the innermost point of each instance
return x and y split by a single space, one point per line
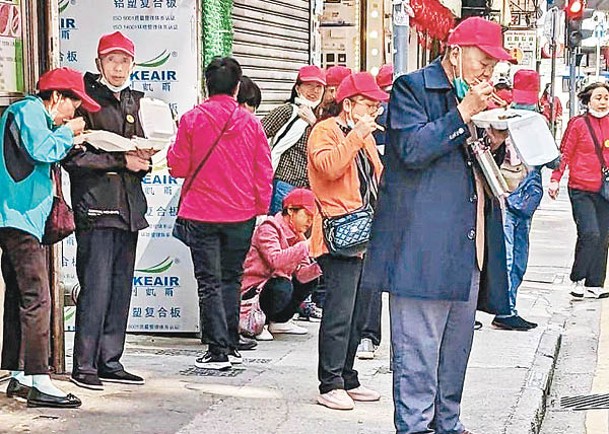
220 202
278 264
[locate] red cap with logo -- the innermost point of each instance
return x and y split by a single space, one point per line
312 73
336 74
300 198
385 76
115 42
483 34
361 83
526 87
69 80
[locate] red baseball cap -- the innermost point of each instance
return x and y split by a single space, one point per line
68 79
336 74
361 83
526 87
312 73
385 76
115 42
483 34
300 198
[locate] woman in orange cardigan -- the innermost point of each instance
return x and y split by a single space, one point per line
344 171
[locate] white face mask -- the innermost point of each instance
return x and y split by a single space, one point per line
115 89
303 101
54 111
598 115
349 119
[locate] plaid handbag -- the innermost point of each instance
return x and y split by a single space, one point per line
347 235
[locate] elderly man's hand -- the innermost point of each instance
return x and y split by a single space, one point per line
497 137
475 101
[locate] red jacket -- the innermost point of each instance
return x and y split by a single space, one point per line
578 153
276 251
236 182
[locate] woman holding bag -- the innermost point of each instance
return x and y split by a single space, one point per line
344 171
37 132
585 150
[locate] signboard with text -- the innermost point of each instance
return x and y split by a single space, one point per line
167 67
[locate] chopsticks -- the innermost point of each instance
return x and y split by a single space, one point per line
494 97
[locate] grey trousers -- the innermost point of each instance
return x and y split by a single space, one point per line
431 342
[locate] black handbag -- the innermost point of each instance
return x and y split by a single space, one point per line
347 235
181 227
604 191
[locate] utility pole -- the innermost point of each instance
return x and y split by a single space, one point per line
401 31
554 16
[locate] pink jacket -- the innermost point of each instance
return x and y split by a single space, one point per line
276 251
236 182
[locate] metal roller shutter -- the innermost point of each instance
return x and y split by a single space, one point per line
271 41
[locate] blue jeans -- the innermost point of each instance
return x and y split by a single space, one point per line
516 230
280 191
431 341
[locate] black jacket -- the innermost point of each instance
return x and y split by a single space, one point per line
104 193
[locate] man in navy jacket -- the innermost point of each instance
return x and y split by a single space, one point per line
437 239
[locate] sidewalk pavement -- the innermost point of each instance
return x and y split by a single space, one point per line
275 390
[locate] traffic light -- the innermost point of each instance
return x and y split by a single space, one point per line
575 13
575 10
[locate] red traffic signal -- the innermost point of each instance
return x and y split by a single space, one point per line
575 9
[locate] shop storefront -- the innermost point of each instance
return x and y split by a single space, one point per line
272 39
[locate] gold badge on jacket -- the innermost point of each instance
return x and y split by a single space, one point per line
607 143
131 120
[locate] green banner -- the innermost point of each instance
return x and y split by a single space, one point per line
217 29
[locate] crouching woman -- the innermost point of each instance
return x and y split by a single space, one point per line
278 264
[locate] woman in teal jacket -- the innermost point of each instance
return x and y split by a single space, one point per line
36 132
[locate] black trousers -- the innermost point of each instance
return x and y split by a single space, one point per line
218 251
341 323
280 297
372 324
591 215
27 303
105 259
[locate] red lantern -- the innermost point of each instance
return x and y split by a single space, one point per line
432 19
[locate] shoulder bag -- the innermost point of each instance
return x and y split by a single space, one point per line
181 227
604 191
60 222
526 198
347 235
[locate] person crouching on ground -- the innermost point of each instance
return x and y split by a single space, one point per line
37 131
277 261
344 171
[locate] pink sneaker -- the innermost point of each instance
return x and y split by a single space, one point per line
364 394
336 399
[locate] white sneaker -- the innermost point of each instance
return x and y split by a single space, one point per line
577 290
336 399
596 292
287 328
365 350
265 335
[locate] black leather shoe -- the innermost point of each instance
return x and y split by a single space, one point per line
38 399
122 377
17 390
529 323
246 344
88 381
513 322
